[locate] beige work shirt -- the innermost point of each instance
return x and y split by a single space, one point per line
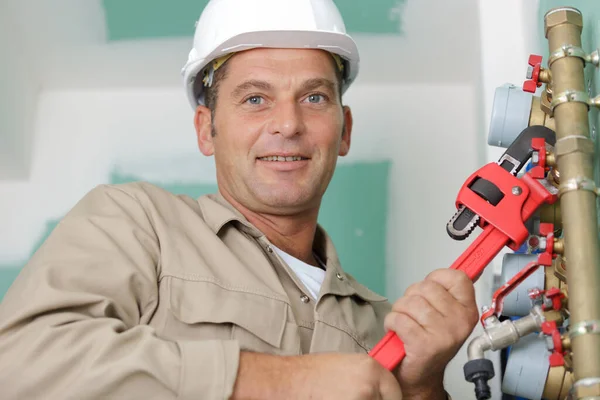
142 294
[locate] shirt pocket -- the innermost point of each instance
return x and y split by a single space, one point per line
204 310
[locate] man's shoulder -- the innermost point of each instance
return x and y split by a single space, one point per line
139 190
134 194
364 292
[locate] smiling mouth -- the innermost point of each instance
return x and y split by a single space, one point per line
282 159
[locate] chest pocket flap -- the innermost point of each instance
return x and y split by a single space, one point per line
235 313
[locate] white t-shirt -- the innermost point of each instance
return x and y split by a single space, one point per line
311 277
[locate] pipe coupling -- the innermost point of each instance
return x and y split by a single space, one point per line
578 183
585 389
584 328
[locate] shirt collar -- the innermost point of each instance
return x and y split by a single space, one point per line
218 212
338 282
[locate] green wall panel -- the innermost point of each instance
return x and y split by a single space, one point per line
8 274
354 212
142 19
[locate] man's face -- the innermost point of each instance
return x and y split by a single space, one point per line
279 128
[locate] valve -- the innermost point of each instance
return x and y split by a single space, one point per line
533 74
543 259
555 297
550 329
539 158
551 299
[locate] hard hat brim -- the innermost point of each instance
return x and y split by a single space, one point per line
337 43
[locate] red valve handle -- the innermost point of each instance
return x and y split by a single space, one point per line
532 84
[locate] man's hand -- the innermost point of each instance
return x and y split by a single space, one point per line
314 376
433 319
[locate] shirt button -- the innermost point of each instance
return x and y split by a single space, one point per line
304 298
340 276
269 249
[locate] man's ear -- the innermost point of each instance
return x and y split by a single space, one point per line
347 133
203 124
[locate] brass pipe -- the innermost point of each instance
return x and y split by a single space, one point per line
574 157
538 116
558 384
546 99
559 246
566 342
550 213
554 177
550 159
545 75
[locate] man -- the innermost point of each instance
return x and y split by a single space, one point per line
142 294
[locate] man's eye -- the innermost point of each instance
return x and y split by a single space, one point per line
255 100
315 98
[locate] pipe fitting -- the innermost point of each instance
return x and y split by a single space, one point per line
586 388
500 336
574 144
480 370
562 15
558 383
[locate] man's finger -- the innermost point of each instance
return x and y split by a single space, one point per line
404 326
436 294
457 283
419 309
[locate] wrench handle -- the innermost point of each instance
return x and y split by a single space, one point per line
389 352
481 252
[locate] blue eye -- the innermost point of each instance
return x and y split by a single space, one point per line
315 98
255 100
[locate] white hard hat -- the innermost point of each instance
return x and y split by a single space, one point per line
228 26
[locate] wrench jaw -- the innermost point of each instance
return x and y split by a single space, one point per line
464 221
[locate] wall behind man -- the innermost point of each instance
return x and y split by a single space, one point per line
19 87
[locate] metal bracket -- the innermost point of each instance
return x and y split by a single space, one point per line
584 328
570 96
585 389
574 96
578 183
574 51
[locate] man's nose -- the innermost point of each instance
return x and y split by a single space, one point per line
287 119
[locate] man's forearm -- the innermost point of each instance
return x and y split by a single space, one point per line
265 376
439 394
313 376
435 391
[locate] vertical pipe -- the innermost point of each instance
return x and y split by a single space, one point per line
574 151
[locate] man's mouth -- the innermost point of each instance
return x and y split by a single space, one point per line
283 159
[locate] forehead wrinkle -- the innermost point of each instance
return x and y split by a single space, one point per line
285 73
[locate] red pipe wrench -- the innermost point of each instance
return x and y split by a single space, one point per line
502 223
